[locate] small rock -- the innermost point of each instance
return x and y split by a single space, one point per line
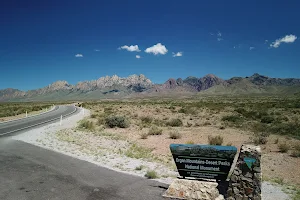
238 197
236 190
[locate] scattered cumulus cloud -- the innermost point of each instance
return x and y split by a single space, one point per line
251 48
78 55
266 41
286 39
96 50
138 56
130 48
218 34
178 54
157 49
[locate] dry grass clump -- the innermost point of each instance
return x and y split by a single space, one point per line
217 140
174 134
154 130
175 122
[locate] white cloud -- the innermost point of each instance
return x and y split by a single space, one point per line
219 34
286 39
130 48
96 50
157 49
138 56
178 54
211 33
251 48
219 39
78 55
234 47
266 41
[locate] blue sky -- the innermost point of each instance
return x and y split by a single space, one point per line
39 40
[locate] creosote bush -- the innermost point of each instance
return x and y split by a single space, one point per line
116 121
175 122
217 140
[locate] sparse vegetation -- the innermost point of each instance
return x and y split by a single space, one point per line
140 167
175 122
12 109
116 121
283 147
144 135
174 134
217 140
86 124
151 174
154 130
260 138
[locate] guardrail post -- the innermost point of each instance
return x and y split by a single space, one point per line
26 113
60 120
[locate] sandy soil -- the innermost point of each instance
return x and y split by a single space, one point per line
108 148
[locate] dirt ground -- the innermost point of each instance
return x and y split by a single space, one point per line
197 126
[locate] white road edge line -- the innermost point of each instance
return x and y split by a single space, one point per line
52 109
38 123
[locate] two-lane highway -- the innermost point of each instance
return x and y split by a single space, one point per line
29 172
14 126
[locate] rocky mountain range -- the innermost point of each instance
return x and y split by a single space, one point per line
134 85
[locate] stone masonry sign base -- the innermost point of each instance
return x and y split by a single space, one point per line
193 189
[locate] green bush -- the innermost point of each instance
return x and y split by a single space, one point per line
154 130
151 174
217 140
232 118
116 121
283 147
144 136
175 122
267 119
174 134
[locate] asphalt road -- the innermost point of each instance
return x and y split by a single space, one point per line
10 127
28 172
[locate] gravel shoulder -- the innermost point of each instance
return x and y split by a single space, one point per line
107 151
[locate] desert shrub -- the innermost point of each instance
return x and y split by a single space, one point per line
283 147
89 125
217 140
174 134
188 110
292 129
267 119
232 118
146 119
260 138
93 115
154 130
295 154
175 122
144 135
206 123
140 167
158 122
116 121
151 174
